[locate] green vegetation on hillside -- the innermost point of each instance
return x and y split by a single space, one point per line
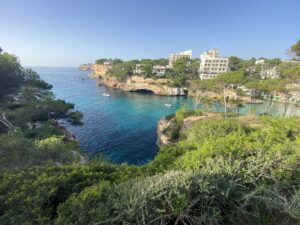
104 60
122 70
234 171
183 69
29 132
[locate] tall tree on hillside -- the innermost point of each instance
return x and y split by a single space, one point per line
180 66
193 68
101 61
122 70
202 86
296 49
235 63
226 80
161 62
11 74
286 104
146 66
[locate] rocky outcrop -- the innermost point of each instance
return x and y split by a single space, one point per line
137 83
99 70
163 138
165 127
88 66
68 135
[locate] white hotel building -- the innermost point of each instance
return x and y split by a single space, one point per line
212 64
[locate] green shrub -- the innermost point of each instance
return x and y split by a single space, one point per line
75 117
18 152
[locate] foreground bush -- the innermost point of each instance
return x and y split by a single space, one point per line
235 171
221 193
18 152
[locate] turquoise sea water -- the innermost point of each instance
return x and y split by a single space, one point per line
123 126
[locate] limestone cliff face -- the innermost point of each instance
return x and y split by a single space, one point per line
99 71
136 83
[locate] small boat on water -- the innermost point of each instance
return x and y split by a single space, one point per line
168 105
105 94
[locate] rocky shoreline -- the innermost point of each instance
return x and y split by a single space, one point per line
136 83
160 86
167 124
139 83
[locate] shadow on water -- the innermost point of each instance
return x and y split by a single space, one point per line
143 91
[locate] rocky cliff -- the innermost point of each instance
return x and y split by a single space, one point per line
163 137
137 83
166 127
99 70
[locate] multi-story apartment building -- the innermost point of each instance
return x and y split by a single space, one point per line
212 64
176 56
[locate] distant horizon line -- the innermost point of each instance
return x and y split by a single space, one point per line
48 66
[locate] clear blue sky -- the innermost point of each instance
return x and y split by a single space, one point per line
68 33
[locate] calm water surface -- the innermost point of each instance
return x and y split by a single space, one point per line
123 126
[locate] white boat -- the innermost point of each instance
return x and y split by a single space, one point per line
106 94
168 105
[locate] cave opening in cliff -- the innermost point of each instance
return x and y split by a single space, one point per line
144 91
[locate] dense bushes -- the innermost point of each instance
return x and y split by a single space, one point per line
236 171
11 74
34 136
220 193
39 191
290 71
18 152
